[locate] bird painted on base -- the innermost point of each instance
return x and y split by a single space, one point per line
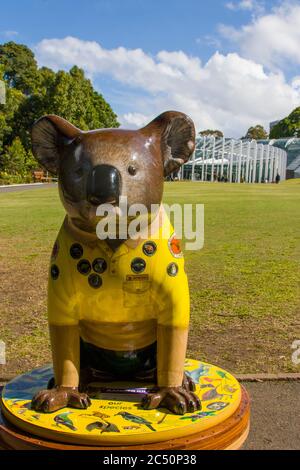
135 419
64 420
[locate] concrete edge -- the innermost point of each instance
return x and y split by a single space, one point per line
24 184
268 377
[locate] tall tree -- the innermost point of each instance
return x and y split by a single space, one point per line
20 67
14 99
72 96
287 127
32 92
256 132
15 160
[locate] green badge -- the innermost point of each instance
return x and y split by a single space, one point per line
99 265
172 269
84 266
95 281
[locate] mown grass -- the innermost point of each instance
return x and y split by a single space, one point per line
245 290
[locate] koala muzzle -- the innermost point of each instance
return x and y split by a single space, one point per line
103 185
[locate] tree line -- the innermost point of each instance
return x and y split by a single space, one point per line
287 127
32 92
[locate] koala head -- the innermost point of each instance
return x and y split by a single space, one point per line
99 166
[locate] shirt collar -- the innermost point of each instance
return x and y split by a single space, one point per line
92 240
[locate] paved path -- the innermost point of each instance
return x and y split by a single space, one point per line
22 187
275 415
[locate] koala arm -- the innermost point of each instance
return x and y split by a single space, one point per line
172 328
65 354
175 392
171 351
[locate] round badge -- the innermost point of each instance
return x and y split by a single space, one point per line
54 271
138 265
174 246
99 265
55 251
84 266
76 251
149 248
95 281
172 269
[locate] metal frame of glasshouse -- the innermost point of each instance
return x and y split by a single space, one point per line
237 161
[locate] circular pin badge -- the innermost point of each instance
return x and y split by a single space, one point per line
175 246
99 265
54 271
84 266
172 269
76 251
95 281
149 248
138 265
55 251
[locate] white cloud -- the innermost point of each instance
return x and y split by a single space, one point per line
228 92
209 40
250 5
9 34
135 119
272 39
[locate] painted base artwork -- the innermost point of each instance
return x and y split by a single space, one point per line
115 420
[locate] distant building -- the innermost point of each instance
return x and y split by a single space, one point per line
292 147
235 161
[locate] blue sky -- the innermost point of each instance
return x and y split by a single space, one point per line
204 58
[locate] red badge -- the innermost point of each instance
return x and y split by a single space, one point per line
174 246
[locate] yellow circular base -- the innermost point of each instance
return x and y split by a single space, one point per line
116 418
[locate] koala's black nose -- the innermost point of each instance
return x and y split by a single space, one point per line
104 185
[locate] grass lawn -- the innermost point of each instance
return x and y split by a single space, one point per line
245 290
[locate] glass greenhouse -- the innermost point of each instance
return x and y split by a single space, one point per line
236 161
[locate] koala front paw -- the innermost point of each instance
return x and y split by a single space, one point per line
176 399
48 401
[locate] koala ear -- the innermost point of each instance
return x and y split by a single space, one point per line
48 135
177 138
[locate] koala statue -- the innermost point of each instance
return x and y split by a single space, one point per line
118 308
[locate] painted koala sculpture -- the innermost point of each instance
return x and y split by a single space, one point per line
118 308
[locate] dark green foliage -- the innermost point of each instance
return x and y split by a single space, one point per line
32 92
287 127
20 67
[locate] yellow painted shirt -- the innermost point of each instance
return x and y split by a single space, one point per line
143 284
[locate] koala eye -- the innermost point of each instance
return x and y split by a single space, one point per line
132 170
79 172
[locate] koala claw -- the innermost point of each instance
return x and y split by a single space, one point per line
188 383
48 401
176 399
